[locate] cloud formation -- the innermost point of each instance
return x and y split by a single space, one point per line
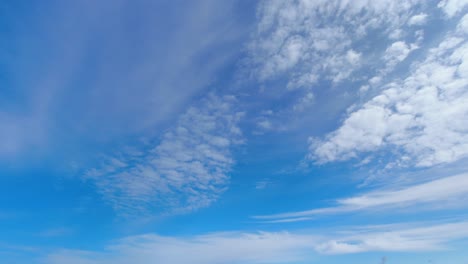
266 247
423 117
452 190
91 79
230 247
396 239
187 170
309 41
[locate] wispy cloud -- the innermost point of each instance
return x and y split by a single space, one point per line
409 239
92 80
187 170
434 194
232 247
267 247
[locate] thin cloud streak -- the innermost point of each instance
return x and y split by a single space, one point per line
453 189
266 247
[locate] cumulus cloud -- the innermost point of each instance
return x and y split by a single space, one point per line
423 117
451 190
187 170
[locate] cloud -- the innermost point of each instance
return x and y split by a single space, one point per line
93 81
452 190
260 185
305 40
453 7
266 247
187 170
396 52
302 47
231 247
15 136
415 116
305 102
409 239
418 20
463 25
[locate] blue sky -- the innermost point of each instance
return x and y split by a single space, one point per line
234 132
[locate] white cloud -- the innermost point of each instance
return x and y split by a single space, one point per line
463 25
418 20
306 101
423 116
232 247
413 239
265 124
453 7
301 39
353 57
451 190
82 88
396 52
187 170
266 247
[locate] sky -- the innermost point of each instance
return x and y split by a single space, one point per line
234 132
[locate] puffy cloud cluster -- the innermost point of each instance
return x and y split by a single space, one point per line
311 41
187 170
424 116
453 7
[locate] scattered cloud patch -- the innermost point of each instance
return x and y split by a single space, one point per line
418 20
423 116
186 171
396 52
309 41
453 7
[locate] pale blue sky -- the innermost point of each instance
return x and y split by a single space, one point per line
234 131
